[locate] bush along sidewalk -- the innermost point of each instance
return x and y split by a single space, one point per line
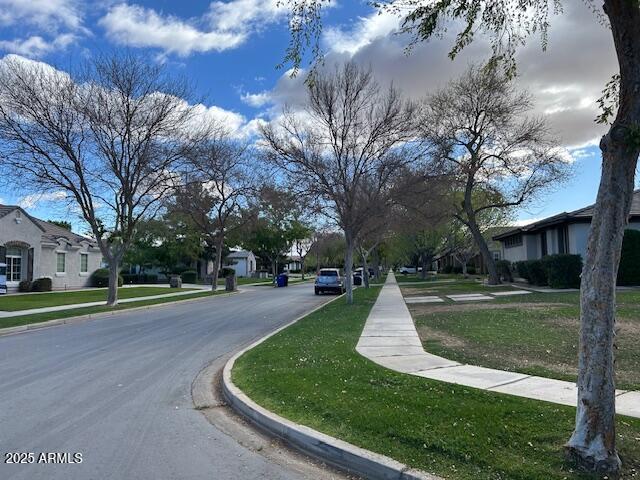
311 374
556 271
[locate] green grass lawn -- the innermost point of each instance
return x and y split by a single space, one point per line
535 334
43 317
311 374
13 303
401 278
452 288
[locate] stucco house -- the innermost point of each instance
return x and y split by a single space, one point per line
33 248
243 262
566 232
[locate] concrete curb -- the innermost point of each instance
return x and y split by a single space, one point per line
90 316
324 447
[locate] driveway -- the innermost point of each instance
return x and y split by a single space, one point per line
118 390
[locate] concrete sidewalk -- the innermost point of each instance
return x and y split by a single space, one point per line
57 308
390 339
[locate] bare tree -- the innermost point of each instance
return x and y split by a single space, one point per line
219 182
460 244
108 138
346 138
499 157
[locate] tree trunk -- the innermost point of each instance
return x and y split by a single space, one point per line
376 264
494 278
302 267
217 263
274 270
114 270
593 442
348 268
365 270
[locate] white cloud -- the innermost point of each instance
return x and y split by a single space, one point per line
36 46
59 23
33 200
224 26
256 99
366 30
142 27
47 14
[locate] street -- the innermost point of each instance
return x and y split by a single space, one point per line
118 390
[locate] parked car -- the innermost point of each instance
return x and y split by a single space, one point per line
3 278
329 280
408 270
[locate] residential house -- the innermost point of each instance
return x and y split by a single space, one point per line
33 248
243 262
476 262
566 232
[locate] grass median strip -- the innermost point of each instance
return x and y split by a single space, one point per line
14 303
44 317
311 374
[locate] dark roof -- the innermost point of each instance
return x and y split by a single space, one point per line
580 215
240 254
50 231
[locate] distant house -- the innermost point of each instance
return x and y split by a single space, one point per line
447 259
243 262
294 263
33 248
562 233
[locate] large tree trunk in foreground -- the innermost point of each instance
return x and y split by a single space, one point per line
217 263
593 443
114 270
348 268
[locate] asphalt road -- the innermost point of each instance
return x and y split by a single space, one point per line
118 390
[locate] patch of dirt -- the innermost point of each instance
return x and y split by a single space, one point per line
449 341
418 309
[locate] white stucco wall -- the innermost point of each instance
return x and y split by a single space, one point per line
44 254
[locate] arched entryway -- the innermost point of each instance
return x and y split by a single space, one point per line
18 256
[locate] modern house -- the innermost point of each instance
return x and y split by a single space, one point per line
33 248
562 233
243 262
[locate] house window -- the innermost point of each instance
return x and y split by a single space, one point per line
84 263
563 239
60 262
14 264
513 241
496 255
543 244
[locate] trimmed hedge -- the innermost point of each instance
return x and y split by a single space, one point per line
134 278
24 286
43 284
563 271
629 269
100 278
226 272
533 271
557 271
189 276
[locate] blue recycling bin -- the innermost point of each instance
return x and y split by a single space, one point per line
281 280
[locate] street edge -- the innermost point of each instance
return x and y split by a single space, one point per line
91 316
329 449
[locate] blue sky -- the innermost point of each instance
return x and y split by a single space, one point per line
230 50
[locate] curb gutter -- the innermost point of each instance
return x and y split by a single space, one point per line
331 450
90 316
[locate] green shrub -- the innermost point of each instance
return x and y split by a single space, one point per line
533 271
447 269
226 271
189 276
130 278
24 286
43 284
100 278
563 270
457 269
471 270
504 270
629 269
148 278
